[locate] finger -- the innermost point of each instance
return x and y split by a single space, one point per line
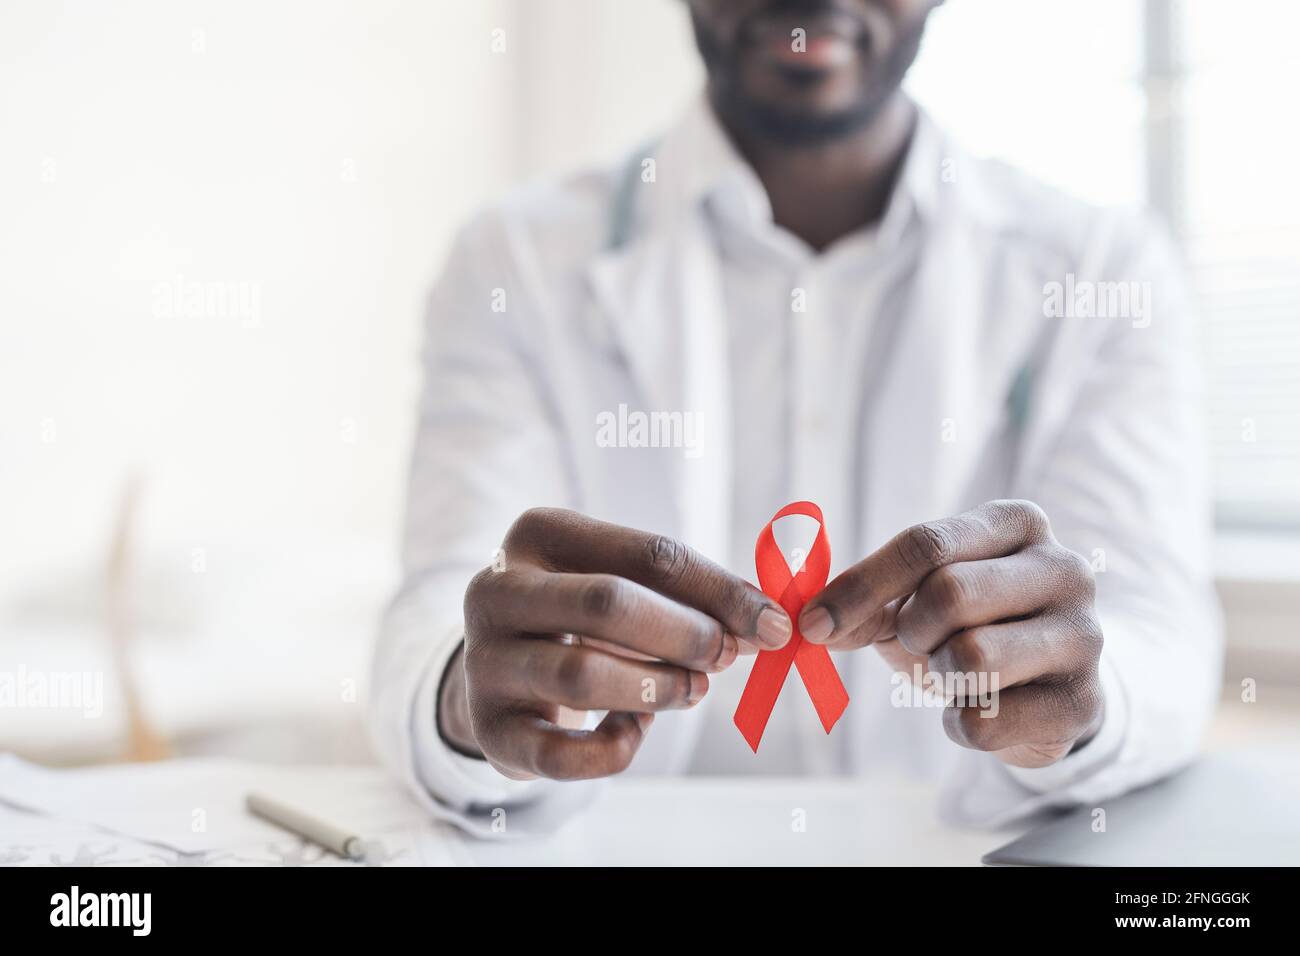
879 627
529 743
1043 647
1039 719
613 609
897 657
568 541
895 570
583 678
972 593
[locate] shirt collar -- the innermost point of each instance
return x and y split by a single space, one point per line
715 174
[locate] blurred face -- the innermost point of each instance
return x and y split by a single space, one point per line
806 71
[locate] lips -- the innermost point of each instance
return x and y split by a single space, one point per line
817 41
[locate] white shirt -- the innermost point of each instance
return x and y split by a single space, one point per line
897 394
791 311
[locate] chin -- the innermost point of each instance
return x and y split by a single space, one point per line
801 127
799 117
797 104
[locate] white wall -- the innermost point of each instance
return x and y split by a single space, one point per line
598 77
311 155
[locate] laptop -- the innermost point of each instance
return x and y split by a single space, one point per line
1237 809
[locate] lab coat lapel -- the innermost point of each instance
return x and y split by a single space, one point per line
661 295
633 286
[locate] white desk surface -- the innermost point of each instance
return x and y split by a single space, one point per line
190 812
756 821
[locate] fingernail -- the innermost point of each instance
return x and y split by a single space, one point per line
730 650
699 687
774 628
816 625
644 721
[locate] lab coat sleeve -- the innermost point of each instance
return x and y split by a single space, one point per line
485 450
1122 479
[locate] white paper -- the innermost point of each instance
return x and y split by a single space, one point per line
191 813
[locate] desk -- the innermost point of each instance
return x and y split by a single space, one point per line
751 821
147 815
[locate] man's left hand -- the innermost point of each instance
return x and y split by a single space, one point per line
987 592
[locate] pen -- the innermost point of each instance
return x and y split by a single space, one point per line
345 844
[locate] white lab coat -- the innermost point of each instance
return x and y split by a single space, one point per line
541 322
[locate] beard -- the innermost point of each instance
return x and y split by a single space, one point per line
790 125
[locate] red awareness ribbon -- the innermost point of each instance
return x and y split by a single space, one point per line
813 660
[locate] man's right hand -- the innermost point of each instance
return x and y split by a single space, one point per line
582 615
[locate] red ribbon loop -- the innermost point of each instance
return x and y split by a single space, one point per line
813 660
